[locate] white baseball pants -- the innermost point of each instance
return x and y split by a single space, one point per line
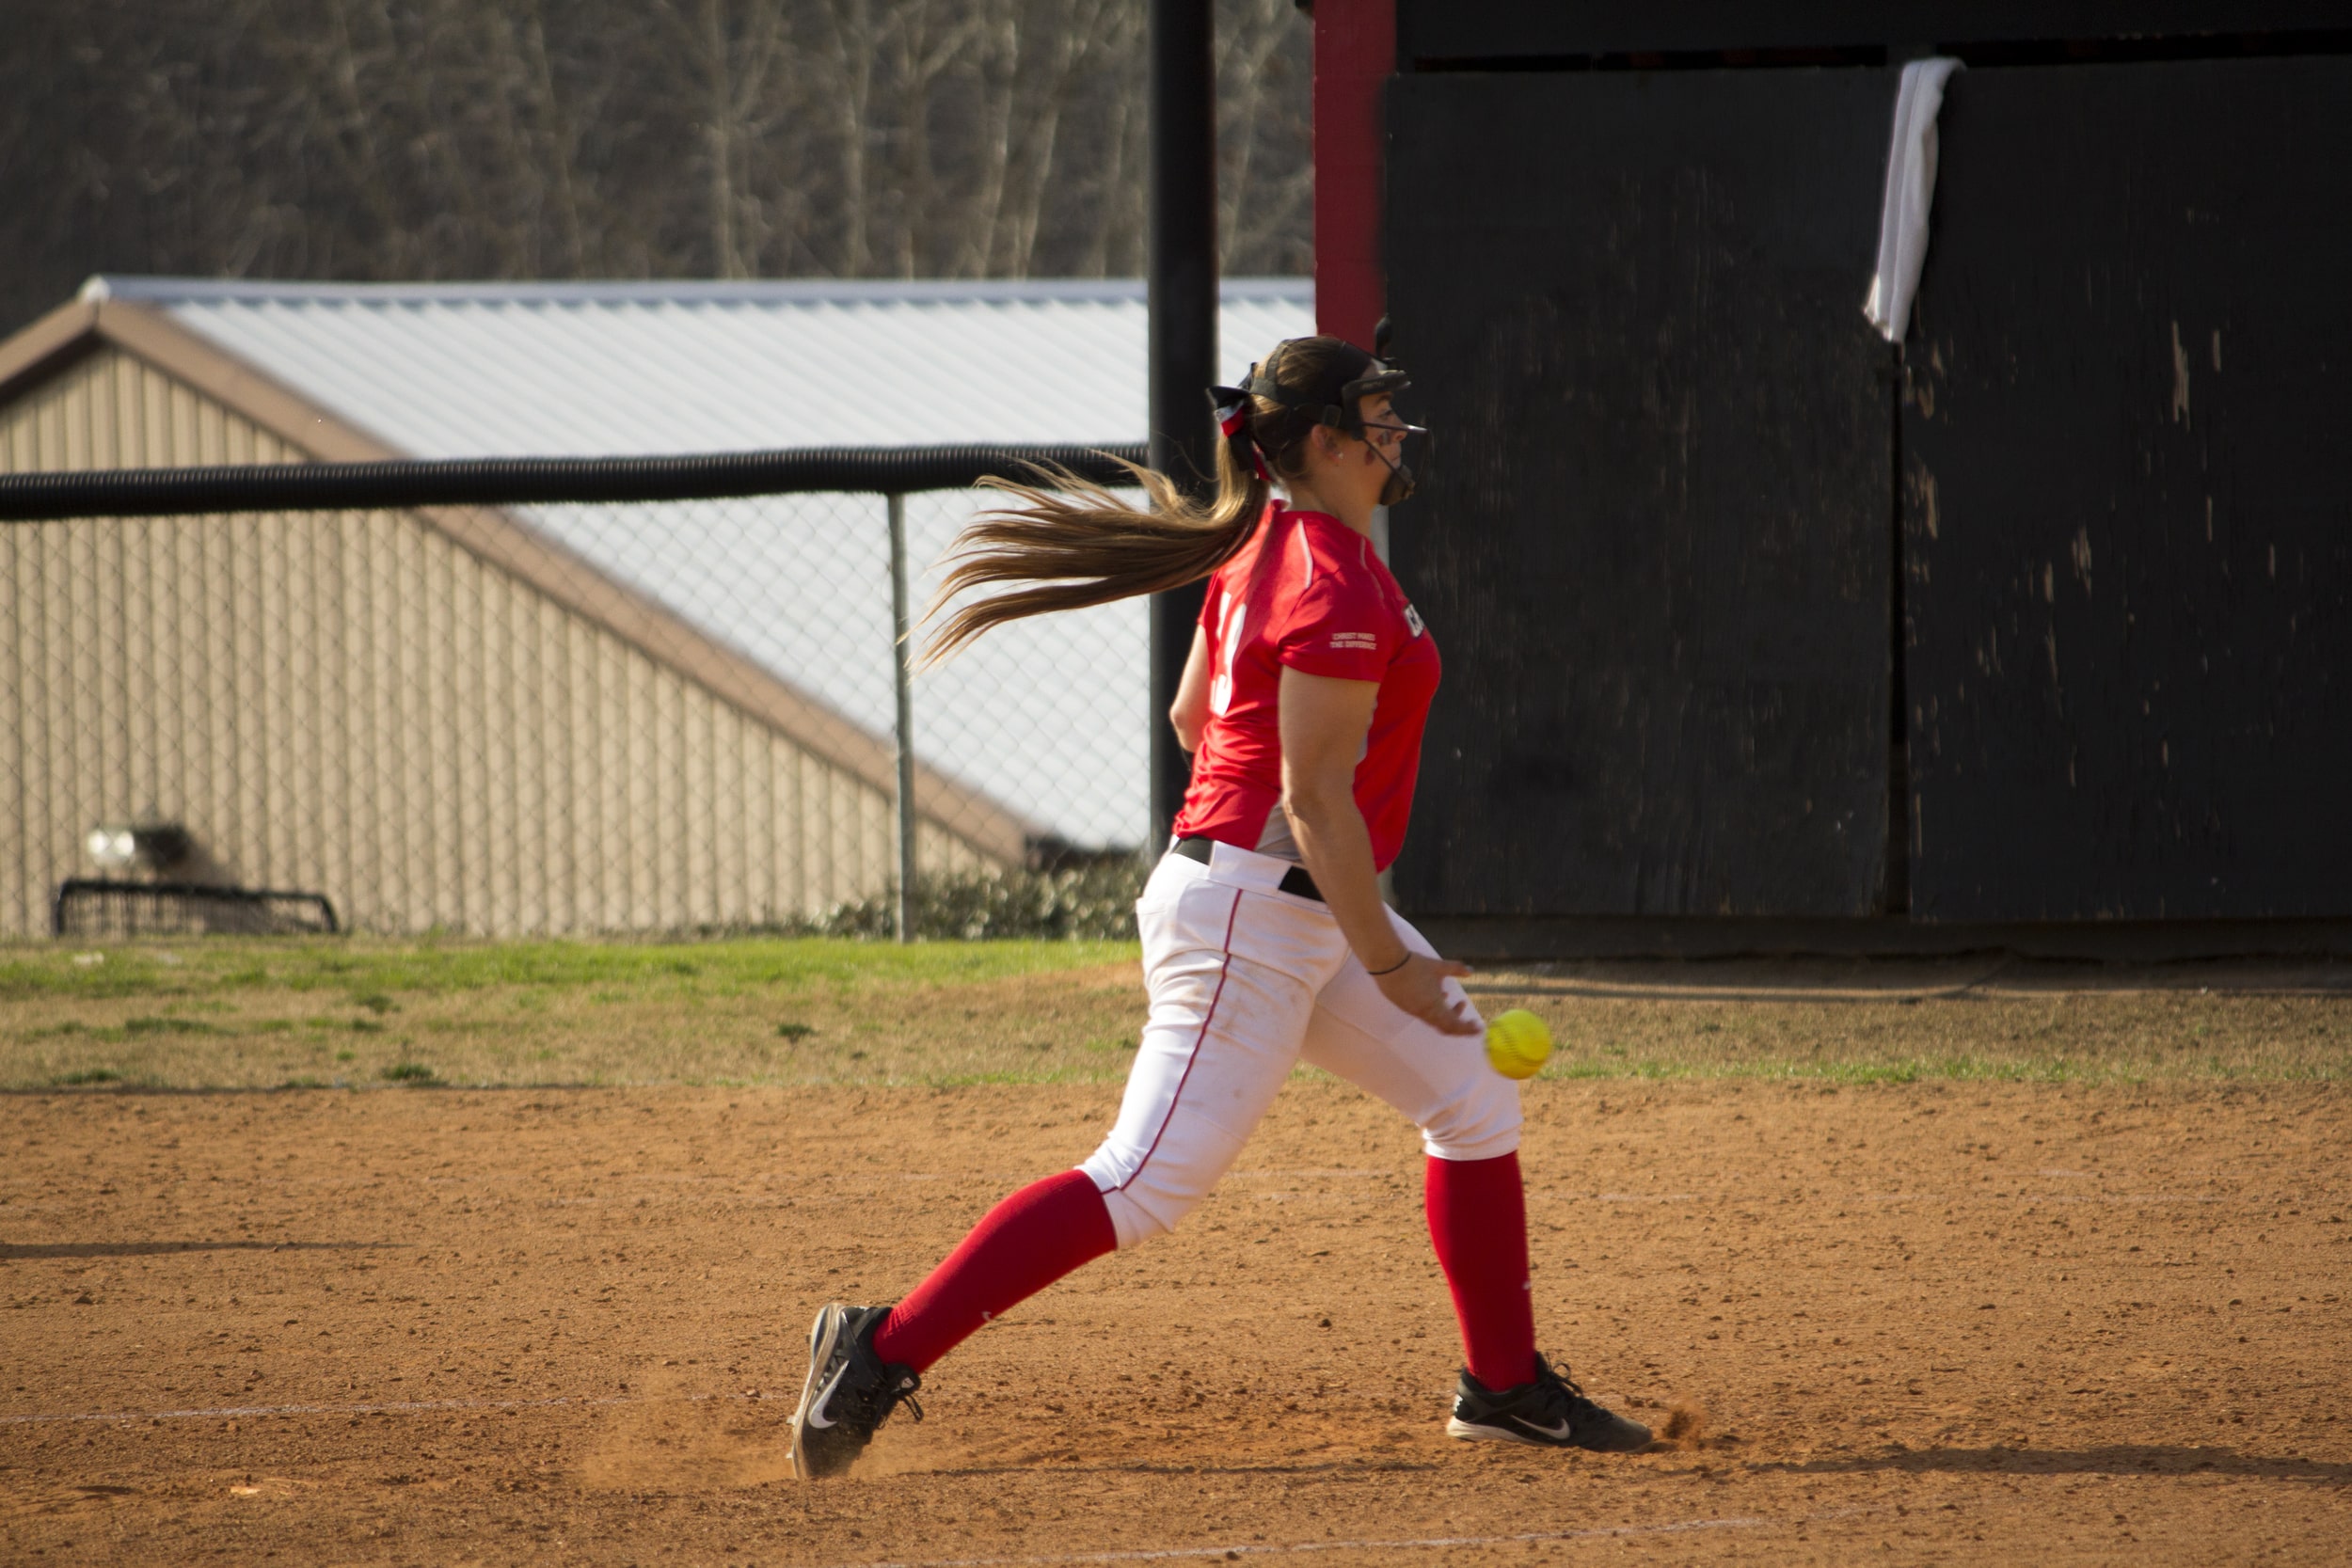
1246 981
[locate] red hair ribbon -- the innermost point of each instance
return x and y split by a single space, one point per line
1233 422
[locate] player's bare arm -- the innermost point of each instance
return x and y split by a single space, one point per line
1324 722
1189 713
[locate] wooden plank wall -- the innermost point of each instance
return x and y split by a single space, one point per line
1656 539
2128 529
352 703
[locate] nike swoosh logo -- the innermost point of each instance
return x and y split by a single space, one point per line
824 1397
1558 1433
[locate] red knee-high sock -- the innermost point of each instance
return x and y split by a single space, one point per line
1021 1246
1478 1223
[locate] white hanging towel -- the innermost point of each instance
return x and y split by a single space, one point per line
1910 190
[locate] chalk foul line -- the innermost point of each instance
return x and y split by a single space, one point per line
1235 1550
1260 1548
235 1412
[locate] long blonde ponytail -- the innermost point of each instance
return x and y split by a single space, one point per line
1068 543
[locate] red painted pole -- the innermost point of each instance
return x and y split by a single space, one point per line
1355 55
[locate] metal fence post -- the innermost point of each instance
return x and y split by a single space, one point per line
902 667
1184 301
905 692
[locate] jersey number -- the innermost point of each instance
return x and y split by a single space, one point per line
1230 618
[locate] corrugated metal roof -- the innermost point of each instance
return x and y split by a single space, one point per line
1051 715
595 369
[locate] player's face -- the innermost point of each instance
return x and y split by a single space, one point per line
1344 470
1385 434
1348 470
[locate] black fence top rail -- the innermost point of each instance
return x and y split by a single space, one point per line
404 482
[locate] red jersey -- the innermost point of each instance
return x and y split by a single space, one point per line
1324 604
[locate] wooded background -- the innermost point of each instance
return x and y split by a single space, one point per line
423 140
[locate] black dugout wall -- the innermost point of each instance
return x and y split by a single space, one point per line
2046 616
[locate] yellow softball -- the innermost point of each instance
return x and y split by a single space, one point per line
1518 1044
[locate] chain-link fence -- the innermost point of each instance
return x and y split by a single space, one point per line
554 715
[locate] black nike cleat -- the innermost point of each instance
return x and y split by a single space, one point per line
1549 1413
849 1392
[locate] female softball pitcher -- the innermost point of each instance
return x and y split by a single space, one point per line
1265 941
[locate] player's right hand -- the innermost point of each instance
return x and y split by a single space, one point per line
1419 988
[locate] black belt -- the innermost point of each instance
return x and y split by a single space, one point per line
1294 882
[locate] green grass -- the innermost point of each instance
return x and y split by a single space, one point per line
365 1012
2090 1035
373 975
375 1013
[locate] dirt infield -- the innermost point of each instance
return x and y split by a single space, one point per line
1929 1321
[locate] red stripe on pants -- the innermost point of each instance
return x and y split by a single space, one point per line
1225 967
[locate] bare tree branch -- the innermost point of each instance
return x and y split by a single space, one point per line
444 139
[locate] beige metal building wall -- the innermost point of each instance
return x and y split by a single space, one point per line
357 704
